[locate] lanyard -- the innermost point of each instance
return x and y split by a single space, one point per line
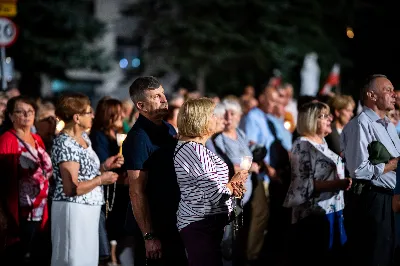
38 158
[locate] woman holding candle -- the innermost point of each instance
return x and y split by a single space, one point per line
104 136
203 179
78 194
232 144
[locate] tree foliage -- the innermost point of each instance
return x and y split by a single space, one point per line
55 36
235 42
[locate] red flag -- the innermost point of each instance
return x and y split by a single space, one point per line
332 81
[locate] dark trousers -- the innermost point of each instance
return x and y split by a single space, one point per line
250 240
202 240
34 247
369 222
314 234
278 223
173 250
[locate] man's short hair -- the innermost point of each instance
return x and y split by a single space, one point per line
140 85
369 84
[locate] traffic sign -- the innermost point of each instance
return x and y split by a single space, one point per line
8 32
8 9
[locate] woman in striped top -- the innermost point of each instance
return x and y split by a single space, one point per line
204 184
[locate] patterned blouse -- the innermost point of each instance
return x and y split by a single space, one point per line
35 171
312 161
66 149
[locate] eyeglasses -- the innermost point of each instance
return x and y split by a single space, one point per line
325 116
49 119
87 113
24 113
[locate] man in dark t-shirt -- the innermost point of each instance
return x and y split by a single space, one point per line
154 192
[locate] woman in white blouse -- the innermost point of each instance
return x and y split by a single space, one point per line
204 183
316 191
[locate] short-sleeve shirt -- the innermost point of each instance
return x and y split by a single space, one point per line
150 147
66 149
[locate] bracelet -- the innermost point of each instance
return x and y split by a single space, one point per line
100 180
104 167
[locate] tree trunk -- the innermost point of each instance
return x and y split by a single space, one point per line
201 81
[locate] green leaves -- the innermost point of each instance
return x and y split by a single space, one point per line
244 40
57 35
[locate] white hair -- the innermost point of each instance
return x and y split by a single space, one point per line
232 105
219 110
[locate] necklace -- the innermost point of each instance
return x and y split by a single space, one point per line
316 139
81 141
108 206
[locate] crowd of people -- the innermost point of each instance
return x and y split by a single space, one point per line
320 187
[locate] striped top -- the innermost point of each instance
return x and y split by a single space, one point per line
202 177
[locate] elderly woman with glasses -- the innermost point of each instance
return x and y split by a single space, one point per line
26 169
78 194
316 191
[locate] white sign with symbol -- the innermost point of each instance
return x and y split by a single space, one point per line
8 32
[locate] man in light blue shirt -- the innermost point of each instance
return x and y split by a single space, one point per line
368 213
264 128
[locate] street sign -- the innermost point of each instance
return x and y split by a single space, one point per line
8 9
8 32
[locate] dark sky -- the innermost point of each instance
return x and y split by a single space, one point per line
375 48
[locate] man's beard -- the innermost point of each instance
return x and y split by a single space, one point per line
160 113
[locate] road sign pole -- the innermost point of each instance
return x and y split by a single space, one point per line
3 59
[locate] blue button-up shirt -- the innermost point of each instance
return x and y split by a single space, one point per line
356 136
257 131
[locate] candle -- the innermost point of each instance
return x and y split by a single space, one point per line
120 140
246 162
60 126
114 252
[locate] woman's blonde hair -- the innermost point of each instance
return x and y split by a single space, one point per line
307 119
340 102
194 116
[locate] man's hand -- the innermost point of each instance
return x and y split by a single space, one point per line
271 172
391 165
153 249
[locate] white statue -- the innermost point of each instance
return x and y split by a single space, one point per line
310 75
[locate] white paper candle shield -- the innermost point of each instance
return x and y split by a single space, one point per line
120 140
246 162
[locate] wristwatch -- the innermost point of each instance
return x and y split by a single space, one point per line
149 236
